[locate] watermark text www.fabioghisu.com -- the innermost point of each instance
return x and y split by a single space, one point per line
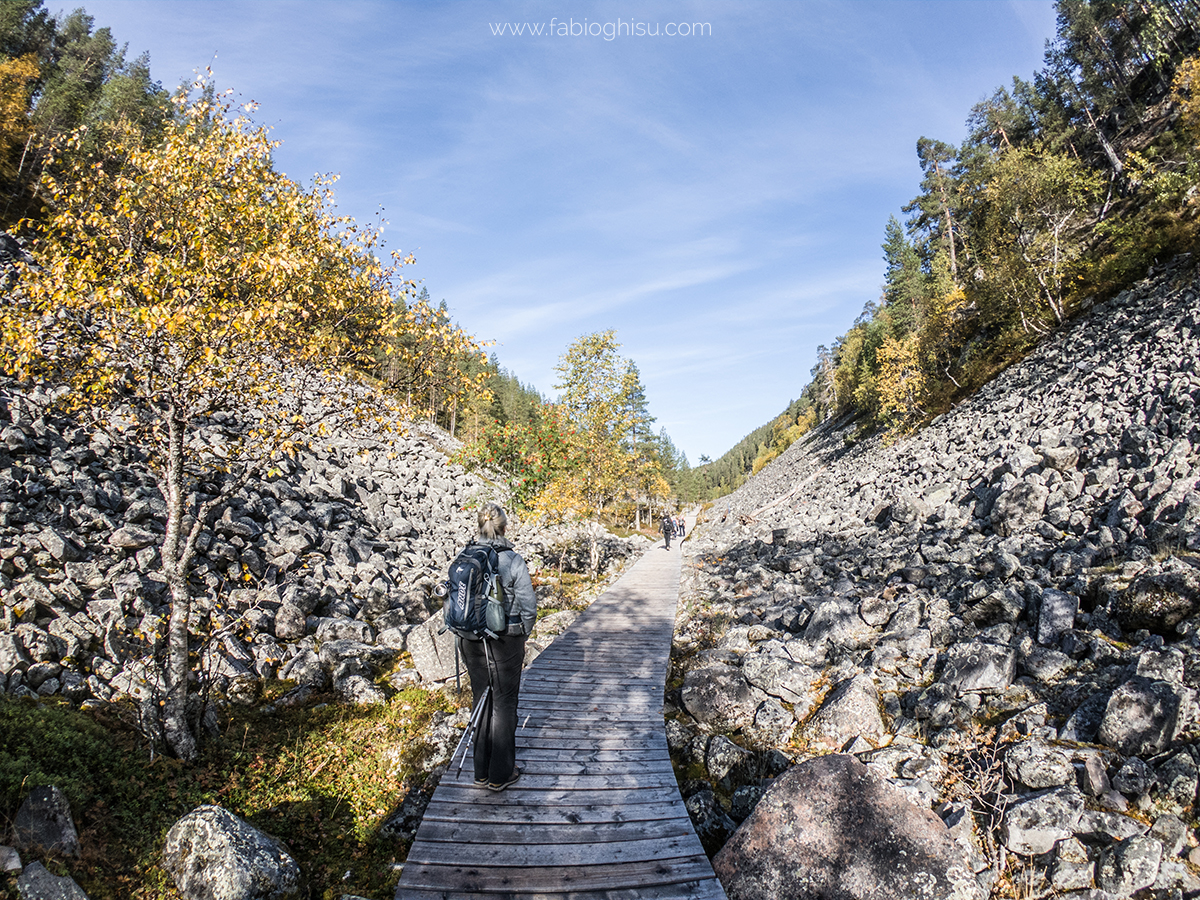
607 30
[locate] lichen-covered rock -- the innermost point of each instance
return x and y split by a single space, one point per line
1072 869
1159 600
780 677
36 883
1140 717
850 710
831 828
213 855
720 697
1036 823
713 825
1019 506
1128 866
979 666
1038 765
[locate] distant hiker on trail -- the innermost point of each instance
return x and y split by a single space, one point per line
668 529
679 527
496 739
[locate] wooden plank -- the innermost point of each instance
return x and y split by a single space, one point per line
537 856
596 700
554 879
567 796
550 721
583 741
612 668
552 677
591 754
505 833
533 781
574 768
613 698
441 810
707 889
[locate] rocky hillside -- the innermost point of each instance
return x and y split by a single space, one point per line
997 616
320 573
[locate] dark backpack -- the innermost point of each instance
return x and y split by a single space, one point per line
474 607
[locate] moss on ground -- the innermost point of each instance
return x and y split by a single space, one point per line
323 779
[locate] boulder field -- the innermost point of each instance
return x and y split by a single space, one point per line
994 617
319 574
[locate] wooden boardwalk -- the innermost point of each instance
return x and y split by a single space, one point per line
597 814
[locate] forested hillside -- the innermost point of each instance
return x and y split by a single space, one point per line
1067 187
74 112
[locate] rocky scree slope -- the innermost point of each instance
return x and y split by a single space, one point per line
321 574
996 615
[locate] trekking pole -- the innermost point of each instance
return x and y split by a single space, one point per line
472 726
477 713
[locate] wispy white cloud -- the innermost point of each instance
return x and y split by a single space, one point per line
720 201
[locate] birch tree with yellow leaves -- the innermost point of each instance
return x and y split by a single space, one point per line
187 280
592 393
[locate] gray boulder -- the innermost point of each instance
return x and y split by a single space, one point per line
36 883
713 825
1160 599
1057 616
432 650
979 666
837 622
850 710
1035 824
1128 866
1072 869
780 677
720 697
10 859
359 690
1178 780
1140 717
722 756
44 821
214 855
1038 765
305 669
1019 507
831 828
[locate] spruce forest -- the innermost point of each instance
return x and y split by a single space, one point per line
1068 187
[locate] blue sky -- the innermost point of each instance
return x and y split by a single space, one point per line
719 199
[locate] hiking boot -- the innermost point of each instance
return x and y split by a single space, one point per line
481 782
512 780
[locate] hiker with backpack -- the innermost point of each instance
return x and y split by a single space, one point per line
491 607
668 529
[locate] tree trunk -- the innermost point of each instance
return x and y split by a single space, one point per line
176 552
176 727
1113 159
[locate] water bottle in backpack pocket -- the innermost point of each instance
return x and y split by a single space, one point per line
474 606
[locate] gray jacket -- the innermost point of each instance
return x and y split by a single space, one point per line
515 582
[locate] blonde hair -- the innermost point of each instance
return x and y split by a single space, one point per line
492 521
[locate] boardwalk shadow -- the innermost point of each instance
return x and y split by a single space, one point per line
597 811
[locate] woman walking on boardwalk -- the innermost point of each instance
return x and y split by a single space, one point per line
497 661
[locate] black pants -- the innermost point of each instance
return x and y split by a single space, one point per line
496 739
